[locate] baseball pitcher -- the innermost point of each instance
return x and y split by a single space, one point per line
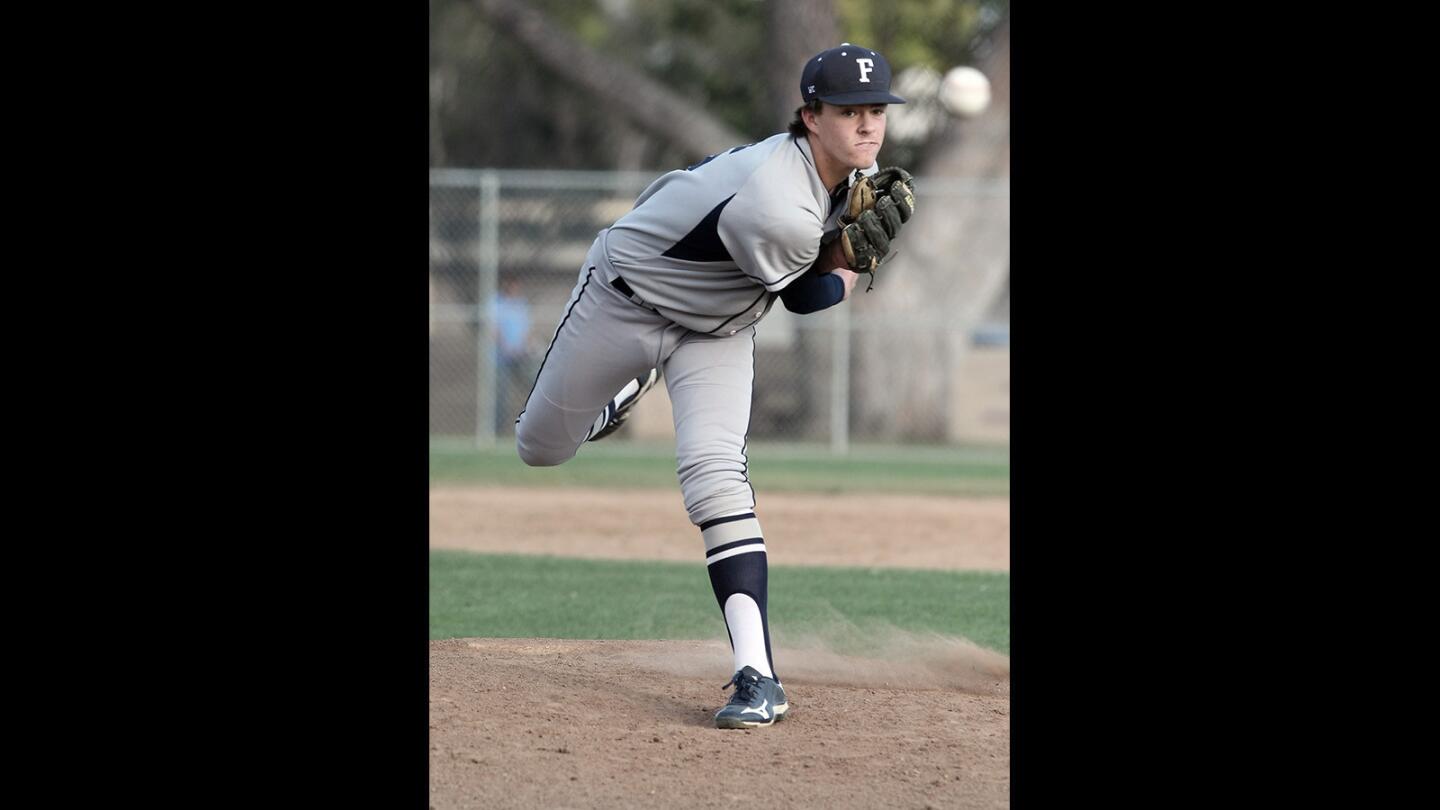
676 287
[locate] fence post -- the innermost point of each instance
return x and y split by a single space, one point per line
840 383
489 263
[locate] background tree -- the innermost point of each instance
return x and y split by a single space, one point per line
500 98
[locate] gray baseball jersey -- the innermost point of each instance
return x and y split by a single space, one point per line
710 247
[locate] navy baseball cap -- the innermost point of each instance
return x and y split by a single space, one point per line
848 74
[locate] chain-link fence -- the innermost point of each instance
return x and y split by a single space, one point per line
506 247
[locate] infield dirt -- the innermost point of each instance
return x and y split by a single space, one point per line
571 723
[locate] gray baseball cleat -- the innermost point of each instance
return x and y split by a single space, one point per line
618 410
758 701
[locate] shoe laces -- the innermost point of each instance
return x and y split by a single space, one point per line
746 690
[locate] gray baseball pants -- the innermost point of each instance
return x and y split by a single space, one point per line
604 340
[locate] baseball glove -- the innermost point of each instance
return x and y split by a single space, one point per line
879 206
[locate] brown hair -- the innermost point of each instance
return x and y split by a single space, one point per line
797 127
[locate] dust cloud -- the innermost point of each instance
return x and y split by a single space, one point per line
874 656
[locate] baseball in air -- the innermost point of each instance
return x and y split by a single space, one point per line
965 91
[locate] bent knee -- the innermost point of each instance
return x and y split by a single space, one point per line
536 455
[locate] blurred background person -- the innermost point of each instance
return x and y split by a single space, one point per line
512 349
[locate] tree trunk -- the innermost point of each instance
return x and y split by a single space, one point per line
797 30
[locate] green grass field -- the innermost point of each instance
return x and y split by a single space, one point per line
773 468
515 596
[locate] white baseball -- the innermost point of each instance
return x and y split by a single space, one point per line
965 91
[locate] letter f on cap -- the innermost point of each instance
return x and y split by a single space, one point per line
866 65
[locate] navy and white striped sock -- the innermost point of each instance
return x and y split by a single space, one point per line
735 556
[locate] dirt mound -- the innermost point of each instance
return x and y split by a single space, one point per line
563 723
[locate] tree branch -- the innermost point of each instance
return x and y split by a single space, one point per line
648 104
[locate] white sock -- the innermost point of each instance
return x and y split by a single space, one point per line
747 634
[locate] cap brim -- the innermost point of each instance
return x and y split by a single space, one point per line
868 97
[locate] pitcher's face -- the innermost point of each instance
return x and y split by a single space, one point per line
850 135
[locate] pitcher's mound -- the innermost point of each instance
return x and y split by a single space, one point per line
564 723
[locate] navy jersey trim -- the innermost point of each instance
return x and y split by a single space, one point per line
796 141
702 243
762 282
727 321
